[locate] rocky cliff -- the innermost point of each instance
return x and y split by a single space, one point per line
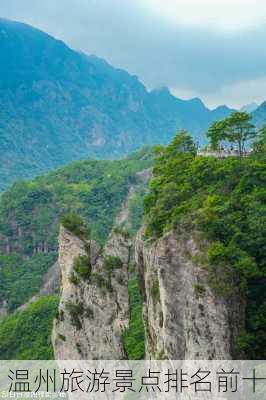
94 306
184 317
51 285
3 309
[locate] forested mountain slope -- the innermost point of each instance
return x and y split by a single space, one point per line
202 214
30 214
259 115
219 203
58 105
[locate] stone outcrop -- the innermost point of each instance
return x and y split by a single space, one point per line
94 309
51 285
3 309
123 218
184 317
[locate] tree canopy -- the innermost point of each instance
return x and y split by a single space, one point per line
235 130
225 201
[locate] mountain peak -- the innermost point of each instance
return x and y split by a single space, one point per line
223 108
249 107
162 90
197 101
60 105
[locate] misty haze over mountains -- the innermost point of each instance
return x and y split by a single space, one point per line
58 105
110 246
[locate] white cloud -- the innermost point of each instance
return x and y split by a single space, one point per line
165 42
240 93
226 15
234 95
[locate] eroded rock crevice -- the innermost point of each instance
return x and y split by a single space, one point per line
94 307
184 317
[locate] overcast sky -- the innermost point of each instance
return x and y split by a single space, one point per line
213 49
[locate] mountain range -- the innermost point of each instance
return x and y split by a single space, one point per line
94 246
58 105
259 115
249 107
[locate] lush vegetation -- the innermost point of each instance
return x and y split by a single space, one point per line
26 335
75 311
30 213
82 267
235 130
111 263
133 337
75 106
21 278
225 200
135 214
75 224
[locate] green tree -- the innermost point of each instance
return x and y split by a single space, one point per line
182 143
236 129
26 335
260 144
224 201
216 133
239 130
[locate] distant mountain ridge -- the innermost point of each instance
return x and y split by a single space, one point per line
58 105
259 115
249 107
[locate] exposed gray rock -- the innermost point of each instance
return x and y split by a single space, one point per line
51 285
92 314
122 218
184 317
145 175
3 309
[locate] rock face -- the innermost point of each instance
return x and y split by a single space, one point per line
122 218
3 309
51 285
184 317
94 311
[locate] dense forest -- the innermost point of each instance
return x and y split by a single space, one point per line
224 200
26 335
30 213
